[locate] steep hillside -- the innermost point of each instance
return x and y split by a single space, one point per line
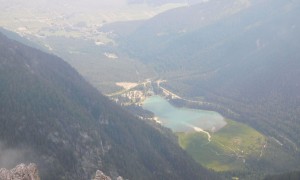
51 116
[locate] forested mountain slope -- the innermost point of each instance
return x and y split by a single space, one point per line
248 62
289 176
51 116
156 33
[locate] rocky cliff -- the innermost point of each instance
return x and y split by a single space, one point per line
101 176
20 172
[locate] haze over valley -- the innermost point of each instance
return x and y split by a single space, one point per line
173 89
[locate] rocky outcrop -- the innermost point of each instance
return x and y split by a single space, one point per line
20 172
101 176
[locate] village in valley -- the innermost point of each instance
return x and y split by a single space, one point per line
136 93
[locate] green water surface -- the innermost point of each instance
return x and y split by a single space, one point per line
183 119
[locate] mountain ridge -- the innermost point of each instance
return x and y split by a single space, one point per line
69 130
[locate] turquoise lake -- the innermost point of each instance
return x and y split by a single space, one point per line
183 119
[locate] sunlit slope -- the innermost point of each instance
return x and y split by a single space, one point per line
228 149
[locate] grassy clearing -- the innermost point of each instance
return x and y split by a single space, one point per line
229 148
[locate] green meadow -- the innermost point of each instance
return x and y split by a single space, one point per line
229 148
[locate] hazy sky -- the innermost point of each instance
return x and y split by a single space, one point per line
92 4
107 4
95 5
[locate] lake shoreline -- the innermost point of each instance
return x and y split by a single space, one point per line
183 119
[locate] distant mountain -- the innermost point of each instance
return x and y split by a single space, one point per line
155 33
51 116
174 22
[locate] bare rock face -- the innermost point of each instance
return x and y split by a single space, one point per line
20 172
101 176
120 178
